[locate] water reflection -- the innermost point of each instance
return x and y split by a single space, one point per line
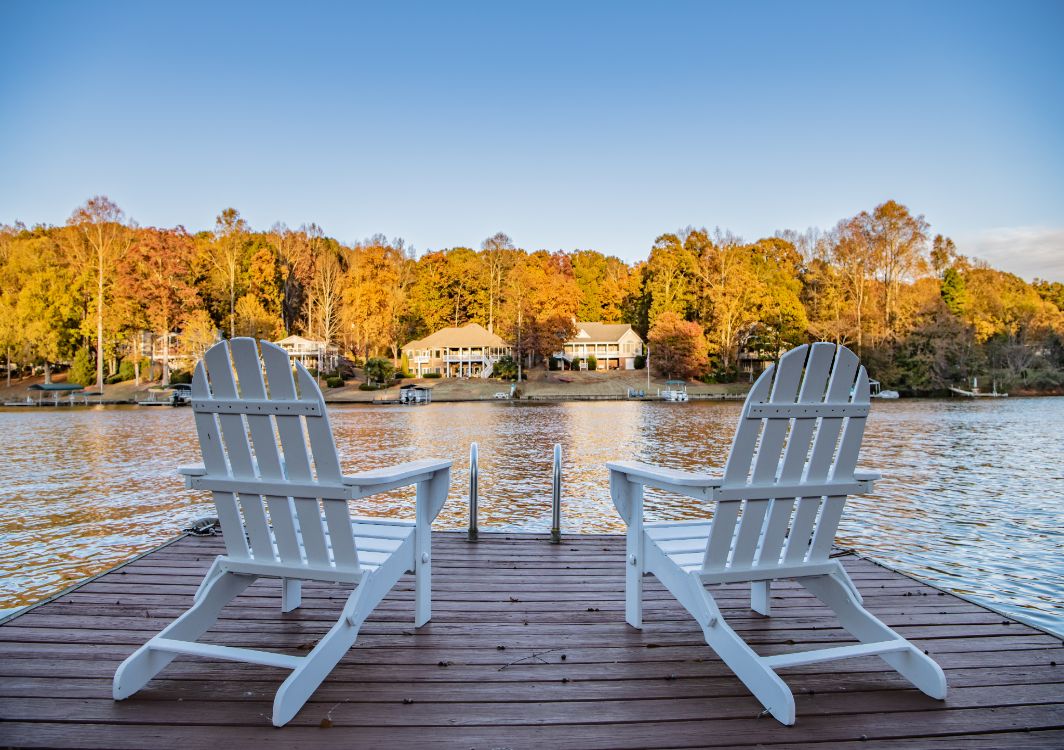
972 497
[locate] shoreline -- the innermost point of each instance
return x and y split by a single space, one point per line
541 387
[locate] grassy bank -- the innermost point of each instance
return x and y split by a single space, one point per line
540 385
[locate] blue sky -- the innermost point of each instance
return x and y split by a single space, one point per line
566 125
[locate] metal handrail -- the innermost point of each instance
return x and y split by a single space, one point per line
556 504
474 477
556 494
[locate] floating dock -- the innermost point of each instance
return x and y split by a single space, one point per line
527 648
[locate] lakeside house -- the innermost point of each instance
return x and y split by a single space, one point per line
614 345
467 351
311 353
752 362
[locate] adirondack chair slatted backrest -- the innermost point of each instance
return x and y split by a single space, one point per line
254 425
802 423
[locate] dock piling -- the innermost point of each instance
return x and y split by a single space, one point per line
473 481
556 505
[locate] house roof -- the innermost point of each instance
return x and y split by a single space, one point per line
293 339
601 331
471 334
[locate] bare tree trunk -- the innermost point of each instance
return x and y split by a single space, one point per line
232 305
99 322
166 355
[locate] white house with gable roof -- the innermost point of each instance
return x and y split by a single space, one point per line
613 345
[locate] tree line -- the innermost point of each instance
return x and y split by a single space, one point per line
921 314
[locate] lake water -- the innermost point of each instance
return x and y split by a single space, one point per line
972 497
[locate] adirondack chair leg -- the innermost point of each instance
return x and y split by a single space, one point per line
912 664
759 678
423 556
144 663
317 665
634 557
843 577
212 573
291 594
761 597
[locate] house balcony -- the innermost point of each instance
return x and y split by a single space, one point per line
450 358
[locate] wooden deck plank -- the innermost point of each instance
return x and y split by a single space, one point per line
615 686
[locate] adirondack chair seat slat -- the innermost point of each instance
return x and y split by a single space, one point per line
778 502
270 462
673 547
678 533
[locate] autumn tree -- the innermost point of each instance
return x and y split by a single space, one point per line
782 321
898 239
677 346
48 309
496 252
296 252
258 311
667 278
607 287
450 288
853 258
325 294
541 304
729 294
375 295
155 273
227 255
100 237
198 332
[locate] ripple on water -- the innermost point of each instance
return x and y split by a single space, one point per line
972 497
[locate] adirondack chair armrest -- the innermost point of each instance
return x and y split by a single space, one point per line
396 473
190 471
695 485
867 478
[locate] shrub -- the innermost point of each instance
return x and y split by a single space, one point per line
180 376
368 387
592 362
83 369
505 368
640 361
335 382
400 375
432 374
379 370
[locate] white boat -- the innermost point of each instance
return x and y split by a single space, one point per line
675 390
878 392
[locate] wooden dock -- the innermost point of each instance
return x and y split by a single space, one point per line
527 648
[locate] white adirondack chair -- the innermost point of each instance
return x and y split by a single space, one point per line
282 520
778 504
